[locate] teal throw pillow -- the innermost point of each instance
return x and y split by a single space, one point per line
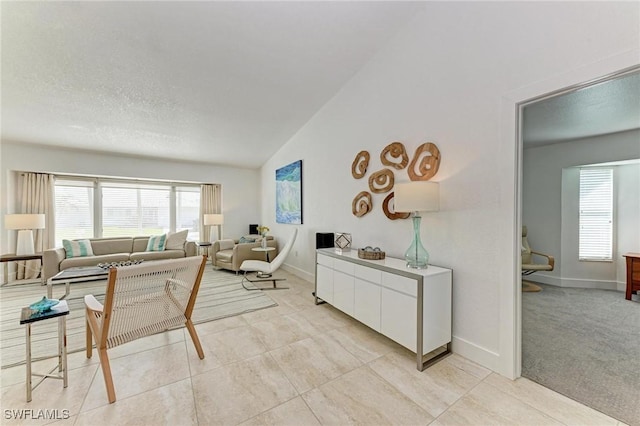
78 248
246 240
156 243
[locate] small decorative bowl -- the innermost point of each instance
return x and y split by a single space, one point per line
44 305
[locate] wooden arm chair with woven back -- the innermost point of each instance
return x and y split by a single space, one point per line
142 300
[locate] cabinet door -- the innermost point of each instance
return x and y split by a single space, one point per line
324 283
343 292
398 318
366 306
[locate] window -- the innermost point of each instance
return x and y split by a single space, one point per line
188 210
596 214
74 202
91 208
131 209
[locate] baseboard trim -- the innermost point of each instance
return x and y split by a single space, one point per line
299 272
576 282
475 353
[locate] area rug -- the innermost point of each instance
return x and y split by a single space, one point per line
585 344
221 295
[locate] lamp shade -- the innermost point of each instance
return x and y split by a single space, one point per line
24 221
213 219
416 197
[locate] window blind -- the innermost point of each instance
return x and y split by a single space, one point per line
596 214
74 210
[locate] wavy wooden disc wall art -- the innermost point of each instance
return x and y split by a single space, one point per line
423 166
362 204
395 150
393 215
360 164
381 181
429 162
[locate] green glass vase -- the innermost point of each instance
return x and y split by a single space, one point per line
416 255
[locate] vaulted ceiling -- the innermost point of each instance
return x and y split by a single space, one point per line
219 82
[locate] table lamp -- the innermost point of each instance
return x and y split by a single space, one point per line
214 220
416 197
24 224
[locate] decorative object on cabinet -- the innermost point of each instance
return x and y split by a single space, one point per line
371 253
324 239
289 193
360 164
417 197
361 204
387 210
429 162
342 242
395 150
215 221
381 181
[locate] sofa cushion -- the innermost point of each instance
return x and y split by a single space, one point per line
157 255
77 248
156 242
175 240
93 260
140 244
225 255
111 245
226 244
246 239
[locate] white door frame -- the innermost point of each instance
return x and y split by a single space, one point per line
511 131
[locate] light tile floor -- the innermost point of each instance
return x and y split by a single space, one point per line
296 364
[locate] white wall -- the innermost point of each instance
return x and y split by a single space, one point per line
627 218
449 77
550 205
240 187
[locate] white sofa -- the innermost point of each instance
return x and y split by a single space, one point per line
106 250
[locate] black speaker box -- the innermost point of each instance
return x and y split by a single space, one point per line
253 229
324 240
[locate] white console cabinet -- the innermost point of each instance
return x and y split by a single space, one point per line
410 306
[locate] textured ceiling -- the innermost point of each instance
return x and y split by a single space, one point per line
220 82
608 107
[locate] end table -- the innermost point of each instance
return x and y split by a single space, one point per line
203 247
28 317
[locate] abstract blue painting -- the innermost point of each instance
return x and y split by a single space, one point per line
289 193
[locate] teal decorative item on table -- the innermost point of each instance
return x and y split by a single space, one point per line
43 305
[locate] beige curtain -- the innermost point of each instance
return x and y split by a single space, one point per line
210 203
37 196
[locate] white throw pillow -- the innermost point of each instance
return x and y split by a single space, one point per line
78 248
156 242
175 240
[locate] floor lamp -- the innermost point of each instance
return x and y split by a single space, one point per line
416 197
214 220
24 224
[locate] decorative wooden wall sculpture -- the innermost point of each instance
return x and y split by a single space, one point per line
362 204
429 163
395 150
360 164
383 179
387 211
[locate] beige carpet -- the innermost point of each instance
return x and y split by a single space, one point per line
221 295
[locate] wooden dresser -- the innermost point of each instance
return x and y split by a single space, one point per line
633 273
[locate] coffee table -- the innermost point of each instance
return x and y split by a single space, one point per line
74 275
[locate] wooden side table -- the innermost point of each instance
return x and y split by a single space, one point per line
28 317
6 258
633 274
